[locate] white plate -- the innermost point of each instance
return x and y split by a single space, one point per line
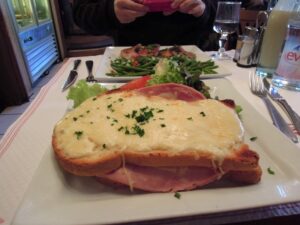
112 53
55 197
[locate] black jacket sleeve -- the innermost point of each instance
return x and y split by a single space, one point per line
98 16
210 12
95 16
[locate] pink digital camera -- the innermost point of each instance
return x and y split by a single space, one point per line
158 5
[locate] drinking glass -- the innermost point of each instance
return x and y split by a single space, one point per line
226 22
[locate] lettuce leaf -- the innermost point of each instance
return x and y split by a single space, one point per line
83 91
166 71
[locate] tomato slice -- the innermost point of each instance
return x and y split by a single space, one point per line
136 84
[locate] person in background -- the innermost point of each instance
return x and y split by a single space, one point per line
255 4
129 22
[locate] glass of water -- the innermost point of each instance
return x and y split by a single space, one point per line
226 22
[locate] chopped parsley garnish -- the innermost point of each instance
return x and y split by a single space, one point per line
253 138
238 109
126 130
163 125
108 117
88 111
74 118
177 195
78 134
144 116
270 171
138 130
120 99
141 117
144 109
190 118
133 113
160 110
202 114
104 146
109 107
94 99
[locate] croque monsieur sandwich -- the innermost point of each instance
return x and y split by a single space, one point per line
163 138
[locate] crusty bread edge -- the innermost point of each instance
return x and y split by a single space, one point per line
241 159
251 176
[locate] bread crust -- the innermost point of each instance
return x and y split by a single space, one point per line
87 166
243 159
251 176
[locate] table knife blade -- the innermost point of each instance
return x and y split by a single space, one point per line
70 80
72 75
274 94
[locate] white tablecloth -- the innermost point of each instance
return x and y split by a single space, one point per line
25 142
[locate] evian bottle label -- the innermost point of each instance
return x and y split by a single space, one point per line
289 64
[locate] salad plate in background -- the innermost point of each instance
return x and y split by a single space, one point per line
112 53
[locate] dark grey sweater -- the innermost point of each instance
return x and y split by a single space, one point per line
98 17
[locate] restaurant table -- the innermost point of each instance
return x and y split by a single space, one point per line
25 142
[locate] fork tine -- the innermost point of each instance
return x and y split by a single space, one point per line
261 85
252 82
256 84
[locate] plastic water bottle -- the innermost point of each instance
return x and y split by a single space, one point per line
287 74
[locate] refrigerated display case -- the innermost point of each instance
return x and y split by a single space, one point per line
34 27
42 10
23 13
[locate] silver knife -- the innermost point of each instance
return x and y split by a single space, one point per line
274 94
72 75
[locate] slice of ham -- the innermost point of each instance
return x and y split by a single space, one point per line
162 179
228 102
172 91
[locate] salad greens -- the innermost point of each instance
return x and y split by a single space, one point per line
83 91
166 71
140 66
145 65
194 66
177 69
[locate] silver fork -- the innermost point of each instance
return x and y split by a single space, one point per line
89 65
257 88
274 93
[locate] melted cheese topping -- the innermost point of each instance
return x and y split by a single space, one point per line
122 121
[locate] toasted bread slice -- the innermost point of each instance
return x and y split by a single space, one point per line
146 129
